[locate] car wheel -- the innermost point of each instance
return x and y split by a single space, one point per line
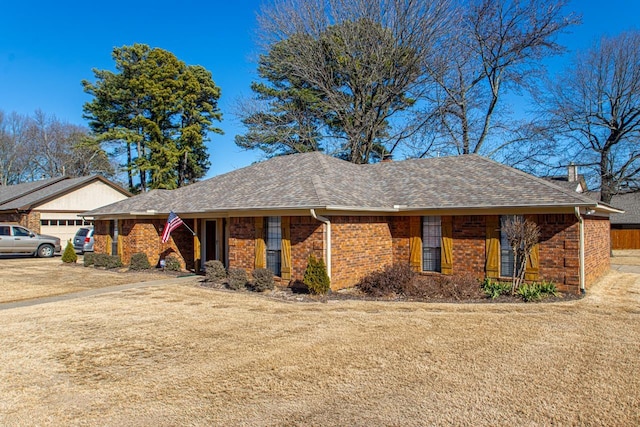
45 251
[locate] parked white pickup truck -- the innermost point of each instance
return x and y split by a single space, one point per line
18 239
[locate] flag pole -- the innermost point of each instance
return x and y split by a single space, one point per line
189 228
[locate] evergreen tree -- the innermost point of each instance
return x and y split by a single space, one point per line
156 111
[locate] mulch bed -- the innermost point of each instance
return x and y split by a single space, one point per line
430 291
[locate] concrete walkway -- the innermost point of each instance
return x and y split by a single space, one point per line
626 268
193 279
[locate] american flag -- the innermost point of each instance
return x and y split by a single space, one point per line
173 222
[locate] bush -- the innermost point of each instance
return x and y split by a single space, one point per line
444 287
100 260
88 259
262 280
529 292
394 279
237 279
69 254
548 288
214 271
494 289
139 261
172 263
107 261
316 277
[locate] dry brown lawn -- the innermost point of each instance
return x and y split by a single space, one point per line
25 277
187 355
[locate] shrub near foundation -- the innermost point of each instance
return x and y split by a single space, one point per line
215 271
262 280
494 289
237 279
139 261
316 277
106 261
394 279
172 263
88 259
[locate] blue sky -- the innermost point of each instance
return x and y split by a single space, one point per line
48 47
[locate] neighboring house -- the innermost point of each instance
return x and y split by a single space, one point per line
625 227
52 206
571 181
439 215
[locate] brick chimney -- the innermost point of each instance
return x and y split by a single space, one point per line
572 172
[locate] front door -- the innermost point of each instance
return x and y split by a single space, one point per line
210 241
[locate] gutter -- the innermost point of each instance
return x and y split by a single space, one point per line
327 240
581 251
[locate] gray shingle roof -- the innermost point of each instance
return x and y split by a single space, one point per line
26 196
12 192
630 203
315 180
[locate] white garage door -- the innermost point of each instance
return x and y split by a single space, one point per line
64 229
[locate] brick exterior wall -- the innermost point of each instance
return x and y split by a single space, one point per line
144 235
242 245
31 220
360 245
597 251
559 250
307 238
469 245
399 227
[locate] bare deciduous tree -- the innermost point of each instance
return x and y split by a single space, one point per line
522 235
14 155
594 108
356 67
42 146
497 47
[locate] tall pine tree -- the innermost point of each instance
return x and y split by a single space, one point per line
156 113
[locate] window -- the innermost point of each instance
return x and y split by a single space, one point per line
431 243
4 230
19 231
274 244
507 262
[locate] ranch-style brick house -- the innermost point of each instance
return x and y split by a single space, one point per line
440 215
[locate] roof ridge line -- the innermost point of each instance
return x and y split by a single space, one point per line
541 180
37 188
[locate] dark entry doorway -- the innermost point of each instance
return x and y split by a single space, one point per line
210 245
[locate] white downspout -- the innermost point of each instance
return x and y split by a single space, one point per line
328 240
581 251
